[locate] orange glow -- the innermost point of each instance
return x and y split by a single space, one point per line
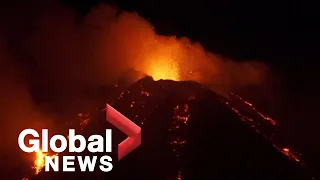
267 118
179 176
132 104
145 93
40 160
163 67
286 151
84 123
182 114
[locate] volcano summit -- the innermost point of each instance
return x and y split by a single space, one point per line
191 132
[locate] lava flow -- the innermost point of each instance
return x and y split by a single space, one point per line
40 160
186 126
271 133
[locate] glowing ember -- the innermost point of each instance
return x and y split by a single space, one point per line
179 176
179 142
132 104
40 160
286 151
84 123
180 118
145 93
182 115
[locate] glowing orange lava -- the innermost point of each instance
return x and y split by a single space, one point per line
163 67
40 160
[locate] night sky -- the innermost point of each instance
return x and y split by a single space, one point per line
282 33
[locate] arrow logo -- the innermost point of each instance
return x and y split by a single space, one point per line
126 126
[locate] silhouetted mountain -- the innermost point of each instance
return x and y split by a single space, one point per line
191 132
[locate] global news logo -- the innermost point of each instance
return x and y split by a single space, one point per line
94 144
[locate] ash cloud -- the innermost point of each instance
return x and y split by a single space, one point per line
45 52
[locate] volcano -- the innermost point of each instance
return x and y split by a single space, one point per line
190 132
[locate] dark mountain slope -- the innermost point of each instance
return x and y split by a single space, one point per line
188 132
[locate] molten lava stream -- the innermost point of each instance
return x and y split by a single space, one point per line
40 160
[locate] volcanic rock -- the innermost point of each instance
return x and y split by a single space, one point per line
188 132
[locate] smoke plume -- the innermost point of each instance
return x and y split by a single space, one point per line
108 43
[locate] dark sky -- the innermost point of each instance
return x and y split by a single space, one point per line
282 33
243 30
